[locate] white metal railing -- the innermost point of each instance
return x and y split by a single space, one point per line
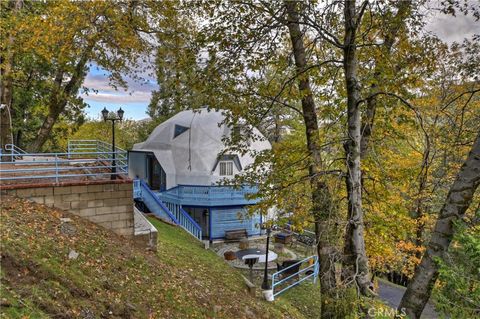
13 149
283 279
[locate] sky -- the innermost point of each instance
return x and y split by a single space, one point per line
135 99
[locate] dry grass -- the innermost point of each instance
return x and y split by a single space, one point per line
112 279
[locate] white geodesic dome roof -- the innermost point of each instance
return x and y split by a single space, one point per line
191 157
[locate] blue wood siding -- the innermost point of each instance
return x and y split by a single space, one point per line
230 218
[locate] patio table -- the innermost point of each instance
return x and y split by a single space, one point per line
256 253
253 255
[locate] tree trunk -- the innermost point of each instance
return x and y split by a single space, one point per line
458 200
419 201
6 87
59 99
321 199
391 34
56 105
358 260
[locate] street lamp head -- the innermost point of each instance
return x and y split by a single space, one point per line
120 113
105 114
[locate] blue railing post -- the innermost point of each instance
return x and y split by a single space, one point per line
97 148
56 168
316 270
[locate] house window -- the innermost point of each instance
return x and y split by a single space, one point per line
179 129
226 168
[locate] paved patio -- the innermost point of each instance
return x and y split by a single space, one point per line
283 254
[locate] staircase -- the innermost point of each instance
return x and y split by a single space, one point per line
167 211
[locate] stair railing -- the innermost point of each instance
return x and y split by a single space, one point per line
191 225
147 192
14 150
174 211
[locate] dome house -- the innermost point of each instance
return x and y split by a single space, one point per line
182 162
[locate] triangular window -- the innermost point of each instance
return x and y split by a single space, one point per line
179 130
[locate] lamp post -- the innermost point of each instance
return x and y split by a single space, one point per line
266 284
111 116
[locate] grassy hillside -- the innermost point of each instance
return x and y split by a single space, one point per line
110 278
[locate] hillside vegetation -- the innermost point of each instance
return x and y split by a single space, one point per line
110 278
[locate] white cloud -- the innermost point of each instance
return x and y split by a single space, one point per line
101 91
451 28
116 97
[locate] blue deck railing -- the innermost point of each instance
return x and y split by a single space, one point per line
209 195
18 165
154 204
283 283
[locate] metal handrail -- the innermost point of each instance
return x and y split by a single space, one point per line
158 201
313 275
194 223
56 176
14 149
60 162
65 154
92 144
174 211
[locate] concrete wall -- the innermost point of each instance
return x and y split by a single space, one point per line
146 234
108 203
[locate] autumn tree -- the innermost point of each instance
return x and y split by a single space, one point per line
177 67
456 204
321 197
355 85
68 38
10 8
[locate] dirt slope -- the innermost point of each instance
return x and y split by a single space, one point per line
109 278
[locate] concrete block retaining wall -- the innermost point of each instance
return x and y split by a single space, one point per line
106 203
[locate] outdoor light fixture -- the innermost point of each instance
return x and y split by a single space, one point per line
120 113
105 114
111 116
